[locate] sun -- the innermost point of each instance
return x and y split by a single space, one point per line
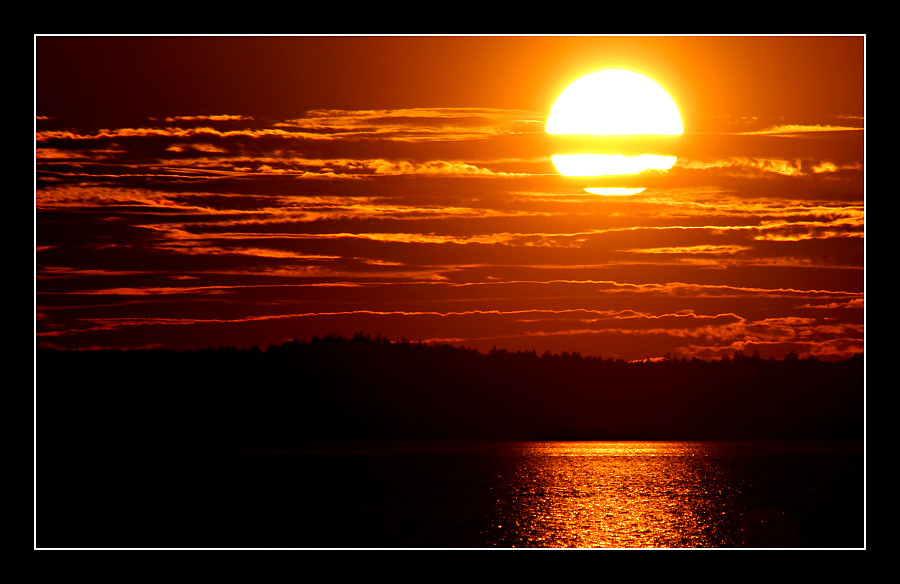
614 102
619 105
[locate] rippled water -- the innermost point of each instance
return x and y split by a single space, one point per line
612 495
661 494
484 495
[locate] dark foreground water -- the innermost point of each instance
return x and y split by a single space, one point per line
461 495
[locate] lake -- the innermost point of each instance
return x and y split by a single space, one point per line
461 495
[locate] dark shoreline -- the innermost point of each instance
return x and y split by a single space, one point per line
338 389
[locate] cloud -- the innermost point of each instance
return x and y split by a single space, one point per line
746 166
324 143
442 223
703 249
417 124
794 129
209 118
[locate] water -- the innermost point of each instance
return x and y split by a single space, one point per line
466 495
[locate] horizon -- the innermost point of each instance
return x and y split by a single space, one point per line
547 354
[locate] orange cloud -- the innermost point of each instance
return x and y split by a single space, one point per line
767 166
794 129
418 124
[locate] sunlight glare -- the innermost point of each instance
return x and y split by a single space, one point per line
609 164
619 104
614 191
614 102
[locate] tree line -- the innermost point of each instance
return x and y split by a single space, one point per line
365 388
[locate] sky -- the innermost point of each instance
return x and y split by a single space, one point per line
206 191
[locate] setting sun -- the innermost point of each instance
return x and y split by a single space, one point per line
617 103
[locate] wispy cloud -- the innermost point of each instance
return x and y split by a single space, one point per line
794 129
417 124
774 166
442 223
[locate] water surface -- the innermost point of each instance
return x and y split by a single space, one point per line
468 495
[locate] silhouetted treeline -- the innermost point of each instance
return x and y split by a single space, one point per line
362 388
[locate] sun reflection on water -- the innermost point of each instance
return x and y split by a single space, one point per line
611 494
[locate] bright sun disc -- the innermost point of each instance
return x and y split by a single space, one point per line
609 164
613 102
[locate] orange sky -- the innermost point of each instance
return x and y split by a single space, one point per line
204 191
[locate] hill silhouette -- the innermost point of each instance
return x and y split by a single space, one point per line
365 388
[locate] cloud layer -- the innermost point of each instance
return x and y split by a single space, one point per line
445 224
